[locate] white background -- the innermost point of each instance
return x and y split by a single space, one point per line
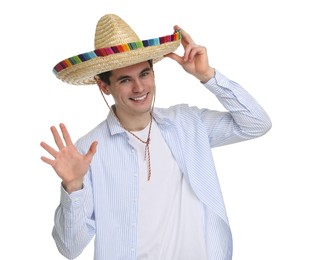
263 45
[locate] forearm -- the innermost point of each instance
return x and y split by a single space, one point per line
245 119
73 227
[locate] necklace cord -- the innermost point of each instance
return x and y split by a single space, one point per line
147 142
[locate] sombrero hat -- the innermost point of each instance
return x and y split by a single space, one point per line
116 46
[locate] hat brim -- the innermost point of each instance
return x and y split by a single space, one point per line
81 69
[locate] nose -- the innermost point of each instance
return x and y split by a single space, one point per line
138 86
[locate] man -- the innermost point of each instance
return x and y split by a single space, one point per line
143 182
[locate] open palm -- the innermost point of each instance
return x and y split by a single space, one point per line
68 163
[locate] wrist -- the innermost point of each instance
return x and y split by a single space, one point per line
72 186
210 73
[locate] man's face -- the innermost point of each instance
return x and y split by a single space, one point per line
132 88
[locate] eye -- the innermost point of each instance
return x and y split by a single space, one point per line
145 74
124 81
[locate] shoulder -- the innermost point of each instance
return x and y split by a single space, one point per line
96 134
176 112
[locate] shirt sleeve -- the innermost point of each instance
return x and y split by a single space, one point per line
74 226
244 119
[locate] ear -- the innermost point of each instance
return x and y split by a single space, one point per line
103 86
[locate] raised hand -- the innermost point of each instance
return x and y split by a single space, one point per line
68 163
195 59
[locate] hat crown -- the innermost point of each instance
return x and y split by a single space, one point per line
111 30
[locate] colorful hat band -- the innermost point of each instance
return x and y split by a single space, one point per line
115 49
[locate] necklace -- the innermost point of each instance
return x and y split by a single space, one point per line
147 142
147 147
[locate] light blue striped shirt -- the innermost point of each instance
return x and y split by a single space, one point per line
107 206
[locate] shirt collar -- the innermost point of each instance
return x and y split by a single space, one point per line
113 124
116 128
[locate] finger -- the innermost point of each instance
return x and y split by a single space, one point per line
57 138
186 38
92 150
175 57
47 160
193 51
190 52
49 149
66 135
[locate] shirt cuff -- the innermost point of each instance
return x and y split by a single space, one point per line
71 200
217 83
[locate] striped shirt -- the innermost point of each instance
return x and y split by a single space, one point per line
107 206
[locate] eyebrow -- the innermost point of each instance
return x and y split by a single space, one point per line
122 77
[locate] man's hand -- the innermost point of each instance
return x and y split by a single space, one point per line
68 163
195 59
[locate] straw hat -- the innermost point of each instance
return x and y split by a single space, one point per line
116 46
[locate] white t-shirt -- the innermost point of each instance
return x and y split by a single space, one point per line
170 216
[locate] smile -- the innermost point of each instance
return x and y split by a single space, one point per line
139 98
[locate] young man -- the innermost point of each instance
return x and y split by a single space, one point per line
143 181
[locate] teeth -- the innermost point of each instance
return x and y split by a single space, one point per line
139 98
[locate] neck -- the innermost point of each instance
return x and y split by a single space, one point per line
133 122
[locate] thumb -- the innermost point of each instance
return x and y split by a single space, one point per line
174 57
92 150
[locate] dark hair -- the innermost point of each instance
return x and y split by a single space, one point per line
105 76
